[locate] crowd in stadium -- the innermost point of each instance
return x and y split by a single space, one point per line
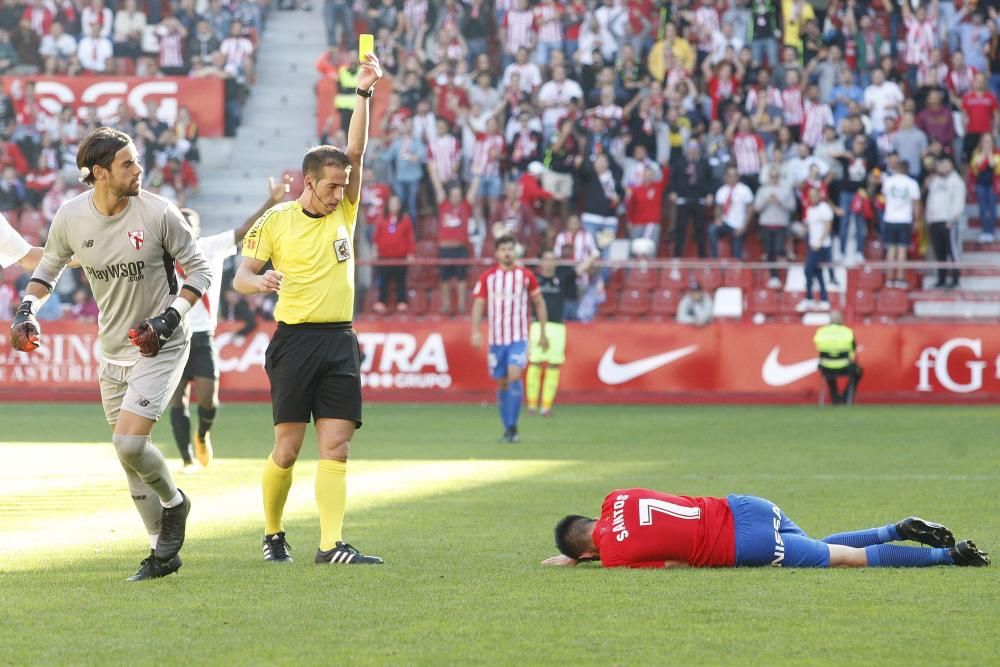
527 117
38 144
695 127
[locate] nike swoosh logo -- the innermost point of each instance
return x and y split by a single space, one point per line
610 371
777 374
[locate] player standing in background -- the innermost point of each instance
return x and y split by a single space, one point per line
127 241
554 291
313 361
202 367
503 291
641 528
15 250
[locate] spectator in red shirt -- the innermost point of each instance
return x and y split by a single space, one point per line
644 206
453 242
180 175
979 113
11 156
532 192
393 239
39 181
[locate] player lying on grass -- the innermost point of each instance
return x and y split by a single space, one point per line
645 528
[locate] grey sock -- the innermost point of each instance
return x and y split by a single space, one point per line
138 453
146 501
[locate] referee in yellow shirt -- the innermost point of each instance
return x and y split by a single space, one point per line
313 361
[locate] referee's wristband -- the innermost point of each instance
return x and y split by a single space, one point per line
364 93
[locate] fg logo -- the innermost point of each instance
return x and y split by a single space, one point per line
936 358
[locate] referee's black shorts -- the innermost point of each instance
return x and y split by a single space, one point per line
315 372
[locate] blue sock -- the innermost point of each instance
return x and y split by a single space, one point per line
515 394
503 398
890 555
864 538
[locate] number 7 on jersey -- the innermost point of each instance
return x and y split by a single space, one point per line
649 505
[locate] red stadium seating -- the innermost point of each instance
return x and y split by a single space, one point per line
643 278
665 303
634 303
708 277
417 301
870 279
610 306
892 303
674 279
864 302
765 301
736 276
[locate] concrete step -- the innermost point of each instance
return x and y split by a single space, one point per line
957 309
973 283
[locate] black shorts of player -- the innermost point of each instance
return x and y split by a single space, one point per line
453 271
203 360
315 373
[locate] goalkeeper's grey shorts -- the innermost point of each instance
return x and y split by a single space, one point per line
146 387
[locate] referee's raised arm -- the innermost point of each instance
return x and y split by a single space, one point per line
357 134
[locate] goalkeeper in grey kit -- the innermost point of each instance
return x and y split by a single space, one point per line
127 241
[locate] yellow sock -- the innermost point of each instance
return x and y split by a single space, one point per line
532 384
331 499
275 485
550 387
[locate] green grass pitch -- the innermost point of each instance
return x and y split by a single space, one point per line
463 522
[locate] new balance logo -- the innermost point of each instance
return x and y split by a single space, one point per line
89 243
144 403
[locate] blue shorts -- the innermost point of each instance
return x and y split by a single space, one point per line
490 187
896 233
765 536
503 356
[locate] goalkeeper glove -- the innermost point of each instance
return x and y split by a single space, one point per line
150 335
24 330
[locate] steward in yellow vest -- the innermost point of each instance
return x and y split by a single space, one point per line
837 358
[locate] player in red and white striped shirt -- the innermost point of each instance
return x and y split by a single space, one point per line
503 291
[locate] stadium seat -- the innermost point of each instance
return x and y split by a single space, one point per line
870 279
874 250
892 303
728 302
737 276
788 302
864 302
609 308
764 301
642 278
418 302
709 277
665 303
616 281
674 279
634 303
